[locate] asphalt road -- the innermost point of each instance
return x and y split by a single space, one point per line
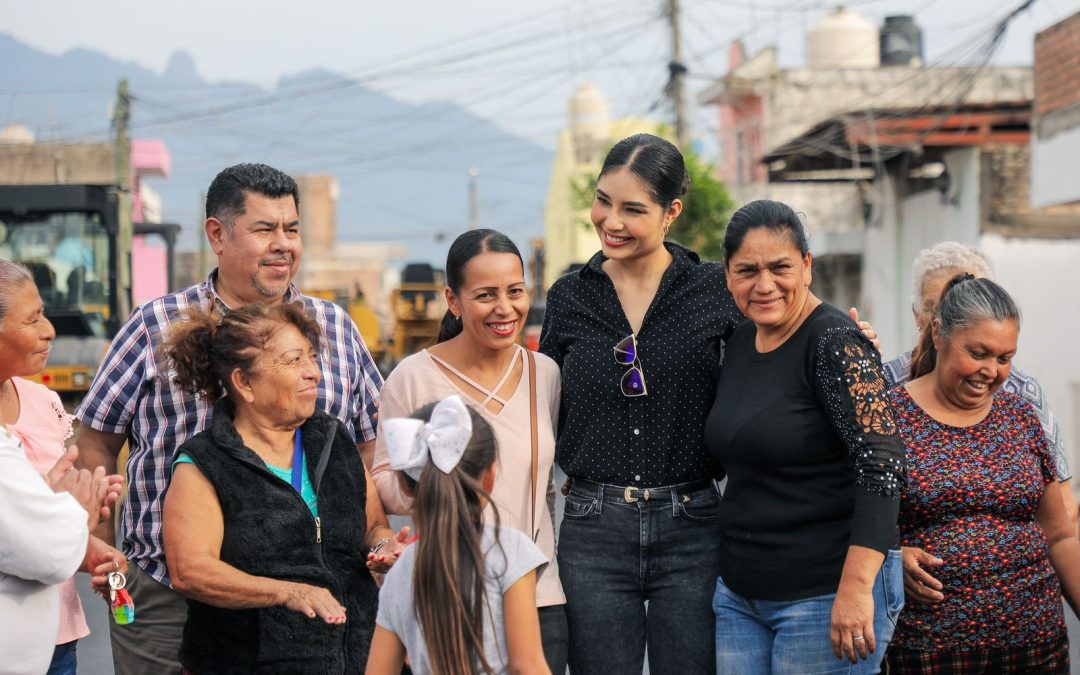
95 656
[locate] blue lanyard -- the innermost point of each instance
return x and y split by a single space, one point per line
298 464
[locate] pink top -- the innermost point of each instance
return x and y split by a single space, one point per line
43 427
418 380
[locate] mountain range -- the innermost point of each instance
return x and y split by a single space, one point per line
402 167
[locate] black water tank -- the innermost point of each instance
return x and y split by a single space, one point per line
901 42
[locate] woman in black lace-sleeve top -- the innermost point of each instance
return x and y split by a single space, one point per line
814 466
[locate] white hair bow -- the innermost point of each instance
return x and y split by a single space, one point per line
412 443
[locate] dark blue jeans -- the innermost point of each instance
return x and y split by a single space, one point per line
555 637
64 660
615 555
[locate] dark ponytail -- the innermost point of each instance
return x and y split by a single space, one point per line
964 302
449 574
467 246
449 327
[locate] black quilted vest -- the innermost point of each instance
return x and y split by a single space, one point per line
270 532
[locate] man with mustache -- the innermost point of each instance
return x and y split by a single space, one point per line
253 227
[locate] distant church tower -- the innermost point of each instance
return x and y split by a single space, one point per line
568 237
590 124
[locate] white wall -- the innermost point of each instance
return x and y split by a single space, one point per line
895 235
1053 168
1043 276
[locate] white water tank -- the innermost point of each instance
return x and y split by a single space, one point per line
16 134
590 124
843 39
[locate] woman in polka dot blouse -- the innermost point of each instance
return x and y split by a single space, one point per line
638 334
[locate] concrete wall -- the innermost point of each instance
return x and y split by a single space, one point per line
1053 168
46 163
318 213
1042 275
902 225
795 100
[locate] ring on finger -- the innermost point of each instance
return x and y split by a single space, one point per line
857 637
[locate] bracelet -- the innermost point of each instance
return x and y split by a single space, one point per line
379 544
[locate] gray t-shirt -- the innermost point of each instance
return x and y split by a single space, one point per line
504 566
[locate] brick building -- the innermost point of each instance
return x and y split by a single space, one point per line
1057 114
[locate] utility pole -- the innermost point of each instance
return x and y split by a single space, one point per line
121 119
676 87
122 248
536 268
203 271
474 200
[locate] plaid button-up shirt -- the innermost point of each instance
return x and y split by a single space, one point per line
133 394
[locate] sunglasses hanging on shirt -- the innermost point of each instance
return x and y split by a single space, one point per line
632 383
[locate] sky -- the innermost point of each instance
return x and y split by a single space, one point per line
515 63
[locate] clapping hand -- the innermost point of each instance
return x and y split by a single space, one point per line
95 491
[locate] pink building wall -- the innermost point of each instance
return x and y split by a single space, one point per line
742 124
149 260
149 269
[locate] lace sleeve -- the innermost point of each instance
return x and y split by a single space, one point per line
851 380
851 385
63 419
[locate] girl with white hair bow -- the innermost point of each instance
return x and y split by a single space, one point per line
463 598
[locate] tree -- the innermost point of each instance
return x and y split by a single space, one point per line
706 208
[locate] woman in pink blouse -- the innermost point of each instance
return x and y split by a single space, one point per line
34 415
477 357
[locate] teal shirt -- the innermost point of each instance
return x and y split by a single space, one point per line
307 490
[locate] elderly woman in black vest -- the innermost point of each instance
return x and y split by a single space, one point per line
268 522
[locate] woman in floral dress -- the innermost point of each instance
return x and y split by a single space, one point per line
988 548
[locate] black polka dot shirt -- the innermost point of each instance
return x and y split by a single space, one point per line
650 440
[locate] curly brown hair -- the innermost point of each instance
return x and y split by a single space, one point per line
205 348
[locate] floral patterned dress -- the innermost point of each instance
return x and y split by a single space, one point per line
971 500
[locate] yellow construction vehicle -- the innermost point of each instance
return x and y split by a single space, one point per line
69 236
419 305
364 316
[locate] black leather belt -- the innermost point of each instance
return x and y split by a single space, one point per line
633 493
